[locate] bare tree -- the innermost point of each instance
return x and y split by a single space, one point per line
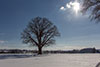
94 7
40 32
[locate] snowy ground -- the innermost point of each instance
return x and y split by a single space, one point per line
51 60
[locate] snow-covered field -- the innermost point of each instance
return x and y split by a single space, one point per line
53 60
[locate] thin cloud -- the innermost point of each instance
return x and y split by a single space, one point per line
67 5
62 8
2 41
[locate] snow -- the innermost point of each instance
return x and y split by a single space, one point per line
52 60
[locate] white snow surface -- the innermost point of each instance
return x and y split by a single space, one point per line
53 60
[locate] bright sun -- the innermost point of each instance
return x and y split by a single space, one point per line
76 6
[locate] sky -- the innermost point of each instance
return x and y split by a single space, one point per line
77 31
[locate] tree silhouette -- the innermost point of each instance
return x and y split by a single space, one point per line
40 32
94 6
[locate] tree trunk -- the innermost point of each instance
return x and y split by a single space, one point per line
39 50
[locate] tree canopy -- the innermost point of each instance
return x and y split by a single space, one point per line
94 7
40 32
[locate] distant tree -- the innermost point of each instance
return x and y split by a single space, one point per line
94 6
40 32
94 50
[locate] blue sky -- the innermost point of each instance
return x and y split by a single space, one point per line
77 31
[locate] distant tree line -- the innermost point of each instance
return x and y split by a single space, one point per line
18 51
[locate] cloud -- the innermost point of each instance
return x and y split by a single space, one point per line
75 5
67 5
62 8
2 41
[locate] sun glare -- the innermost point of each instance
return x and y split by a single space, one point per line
76 7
